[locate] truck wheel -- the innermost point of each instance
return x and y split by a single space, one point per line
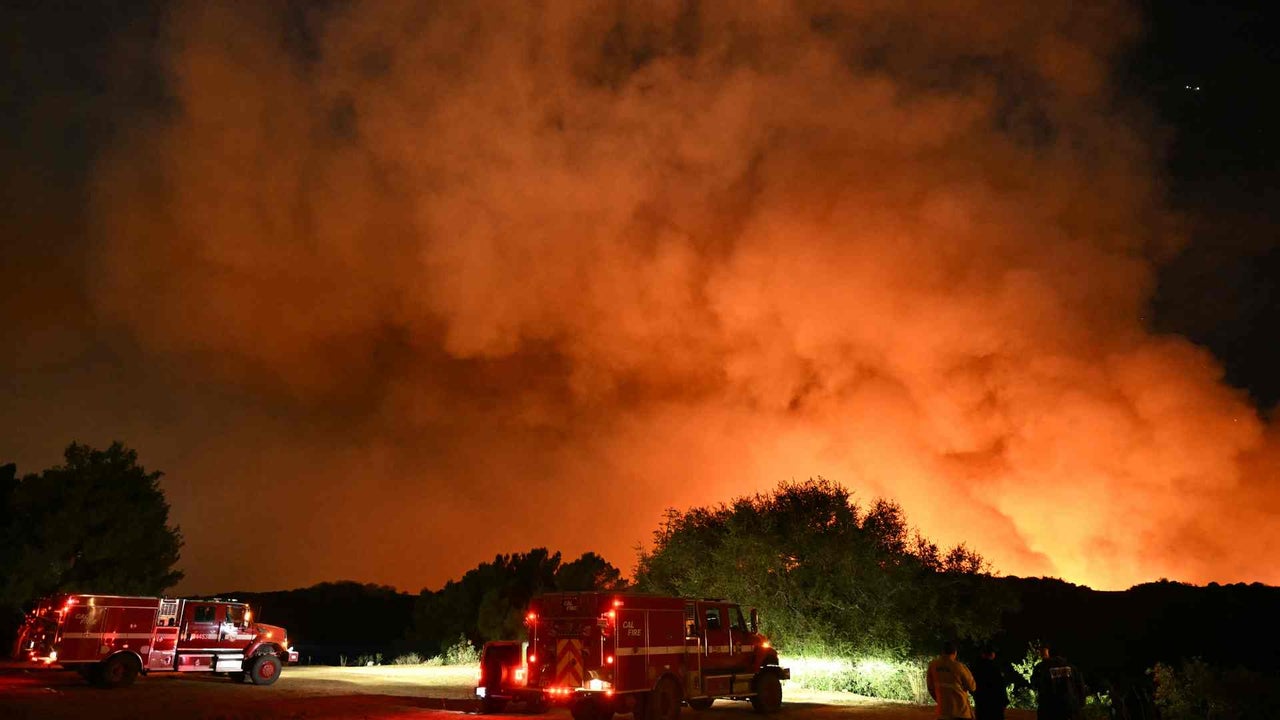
700 704
117 671
768 697
664 701
537 706
264 670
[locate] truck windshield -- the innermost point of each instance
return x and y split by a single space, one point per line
235 615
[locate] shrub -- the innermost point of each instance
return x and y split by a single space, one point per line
461 652
1199 691
410 658
890 676
1021 694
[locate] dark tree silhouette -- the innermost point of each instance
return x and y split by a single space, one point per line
98 523
589 572
489 601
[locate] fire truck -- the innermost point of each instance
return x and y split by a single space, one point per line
603 653
110 639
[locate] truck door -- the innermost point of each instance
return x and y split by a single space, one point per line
233 633
717 657
693 651
200 626
741 642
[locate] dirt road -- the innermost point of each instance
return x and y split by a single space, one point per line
322 693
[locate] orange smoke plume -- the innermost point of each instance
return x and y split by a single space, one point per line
530 273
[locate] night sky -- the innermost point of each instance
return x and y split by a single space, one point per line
388 288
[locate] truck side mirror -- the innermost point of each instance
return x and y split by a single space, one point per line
754 622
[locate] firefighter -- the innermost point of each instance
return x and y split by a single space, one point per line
1059 687
950 683
991 697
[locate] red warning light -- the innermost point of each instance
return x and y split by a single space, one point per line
608 660
533 658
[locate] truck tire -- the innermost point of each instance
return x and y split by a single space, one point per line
264 670
664 701
700 704
768 697
117 671
537 706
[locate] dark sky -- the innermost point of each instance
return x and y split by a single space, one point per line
388 289
1222 161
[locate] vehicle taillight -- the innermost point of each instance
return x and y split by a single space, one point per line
533 658
608 660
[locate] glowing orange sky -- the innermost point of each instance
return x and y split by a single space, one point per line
454 281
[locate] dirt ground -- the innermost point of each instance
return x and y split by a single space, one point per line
322 693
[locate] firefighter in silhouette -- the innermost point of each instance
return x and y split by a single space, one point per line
1059 687
992 696
950 683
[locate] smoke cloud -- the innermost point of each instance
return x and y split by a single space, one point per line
459 278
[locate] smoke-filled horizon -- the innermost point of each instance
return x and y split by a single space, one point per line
399 286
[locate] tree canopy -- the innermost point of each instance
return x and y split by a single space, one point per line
489 601
97 523
826 574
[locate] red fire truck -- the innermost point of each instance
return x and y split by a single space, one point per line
605 653
110 639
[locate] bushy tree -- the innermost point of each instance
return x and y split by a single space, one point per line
589 572
489 601
827 575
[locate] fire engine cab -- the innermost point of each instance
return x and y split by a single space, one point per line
605 653
110 639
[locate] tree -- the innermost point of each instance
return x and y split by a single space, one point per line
98 523
589 572
826 574
489 601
